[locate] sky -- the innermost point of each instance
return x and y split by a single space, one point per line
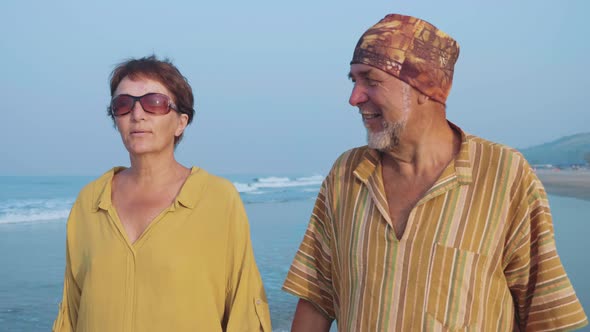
270 77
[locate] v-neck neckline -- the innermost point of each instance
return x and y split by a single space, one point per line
145 233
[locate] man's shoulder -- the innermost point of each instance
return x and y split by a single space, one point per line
500 161
481 147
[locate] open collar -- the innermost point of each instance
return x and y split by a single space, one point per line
189 194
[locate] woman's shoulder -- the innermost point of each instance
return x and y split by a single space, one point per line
213 183
94 189
202 185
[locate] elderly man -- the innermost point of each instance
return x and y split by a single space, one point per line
427 228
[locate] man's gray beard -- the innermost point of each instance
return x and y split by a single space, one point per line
388 138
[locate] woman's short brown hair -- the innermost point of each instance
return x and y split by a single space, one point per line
162 71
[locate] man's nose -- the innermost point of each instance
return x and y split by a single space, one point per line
357 96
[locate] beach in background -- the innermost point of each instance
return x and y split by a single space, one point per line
569 182
271 99
33 212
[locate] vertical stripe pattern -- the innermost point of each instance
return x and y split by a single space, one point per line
478 253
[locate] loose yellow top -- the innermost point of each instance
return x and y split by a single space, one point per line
192 269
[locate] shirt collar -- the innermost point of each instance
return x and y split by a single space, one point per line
193 188
188 196
103 189
462 162
460 168
368 171
369 162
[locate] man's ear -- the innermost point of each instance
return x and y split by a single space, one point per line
422 98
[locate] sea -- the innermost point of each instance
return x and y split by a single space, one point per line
34 209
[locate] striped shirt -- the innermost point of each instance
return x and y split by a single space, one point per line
478 252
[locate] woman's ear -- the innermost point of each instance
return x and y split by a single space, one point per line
182 123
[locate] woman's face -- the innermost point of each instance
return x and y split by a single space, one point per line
143 132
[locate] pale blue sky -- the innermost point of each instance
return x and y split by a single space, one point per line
270 77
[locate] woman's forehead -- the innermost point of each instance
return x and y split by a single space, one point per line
140 85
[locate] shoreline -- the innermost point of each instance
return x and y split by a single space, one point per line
568 183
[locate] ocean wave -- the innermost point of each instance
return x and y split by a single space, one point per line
245 188
274 182
34 210
33 217
268 189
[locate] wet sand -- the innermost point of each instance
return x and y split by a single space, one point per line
570 183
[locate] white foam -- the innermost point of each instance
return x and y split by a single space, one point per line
273 179
33 210
247 188
314 178
277 183
13 218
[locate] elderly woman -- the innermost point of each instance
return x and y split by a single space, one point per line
158 246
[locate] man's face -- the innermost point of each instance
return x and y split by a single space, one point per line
384 103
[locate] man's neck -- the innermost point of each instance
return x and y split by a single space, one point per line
428 151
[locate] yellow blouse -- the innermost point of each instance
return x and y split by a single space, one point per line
192 269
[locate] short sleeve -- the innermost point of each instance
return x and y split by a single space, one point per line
542 293
310 275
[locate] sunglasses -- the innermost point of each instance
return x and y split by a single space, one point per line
155 103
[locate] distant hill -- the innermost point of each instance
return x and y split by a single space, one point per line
564 151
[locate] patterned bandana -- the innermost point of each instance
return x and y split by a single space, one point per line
412 50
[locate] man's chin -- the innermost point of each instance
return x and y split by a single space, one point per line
379 143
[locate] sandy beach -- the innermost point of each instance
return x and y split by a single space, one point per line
570 183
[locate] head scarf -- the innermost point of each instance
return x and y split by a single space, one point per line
412 50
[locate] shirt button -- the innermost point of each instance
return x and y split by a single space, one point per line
258 301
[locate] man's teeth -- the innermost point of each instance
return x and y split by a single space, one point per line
370 116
